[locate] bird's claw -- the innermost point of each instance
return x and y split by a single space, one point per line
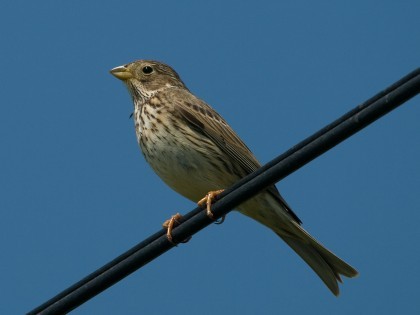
170 224
208 200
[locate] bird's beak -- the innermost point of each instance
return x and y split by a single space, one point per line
121 73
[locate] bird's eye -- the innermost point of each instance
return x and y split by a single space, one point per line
147 70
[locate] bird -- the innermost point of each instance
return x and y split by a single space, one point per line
196 153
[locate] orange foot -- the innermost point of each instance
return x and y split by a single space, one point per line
170 224
208 200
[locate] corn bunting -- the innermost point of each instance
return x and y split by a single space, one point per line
192 148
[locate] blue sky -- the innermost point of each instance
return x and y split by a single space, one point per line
76 192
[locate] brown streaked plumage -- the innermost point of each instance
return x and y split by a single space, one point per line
192 148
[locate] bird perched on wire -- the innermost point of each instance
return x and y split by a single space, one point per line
192 148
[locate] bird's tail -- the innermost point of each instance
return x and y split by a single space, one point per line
327 265
269 212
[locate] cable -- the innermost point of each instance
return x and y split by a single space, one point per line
282 166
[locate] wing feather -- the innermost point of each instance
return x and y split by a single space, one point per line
204 120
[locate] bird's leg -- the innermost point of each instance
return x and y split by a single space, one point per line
208 200
170 224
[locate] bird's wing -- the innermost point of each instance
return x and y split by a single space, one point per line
206 121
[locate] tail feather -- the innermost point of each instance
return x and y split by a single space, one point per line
311 256
327 265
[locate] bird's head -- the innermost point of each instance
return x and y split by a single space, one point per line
144 78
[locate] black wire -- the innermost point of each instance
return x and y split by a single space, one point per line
277 169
